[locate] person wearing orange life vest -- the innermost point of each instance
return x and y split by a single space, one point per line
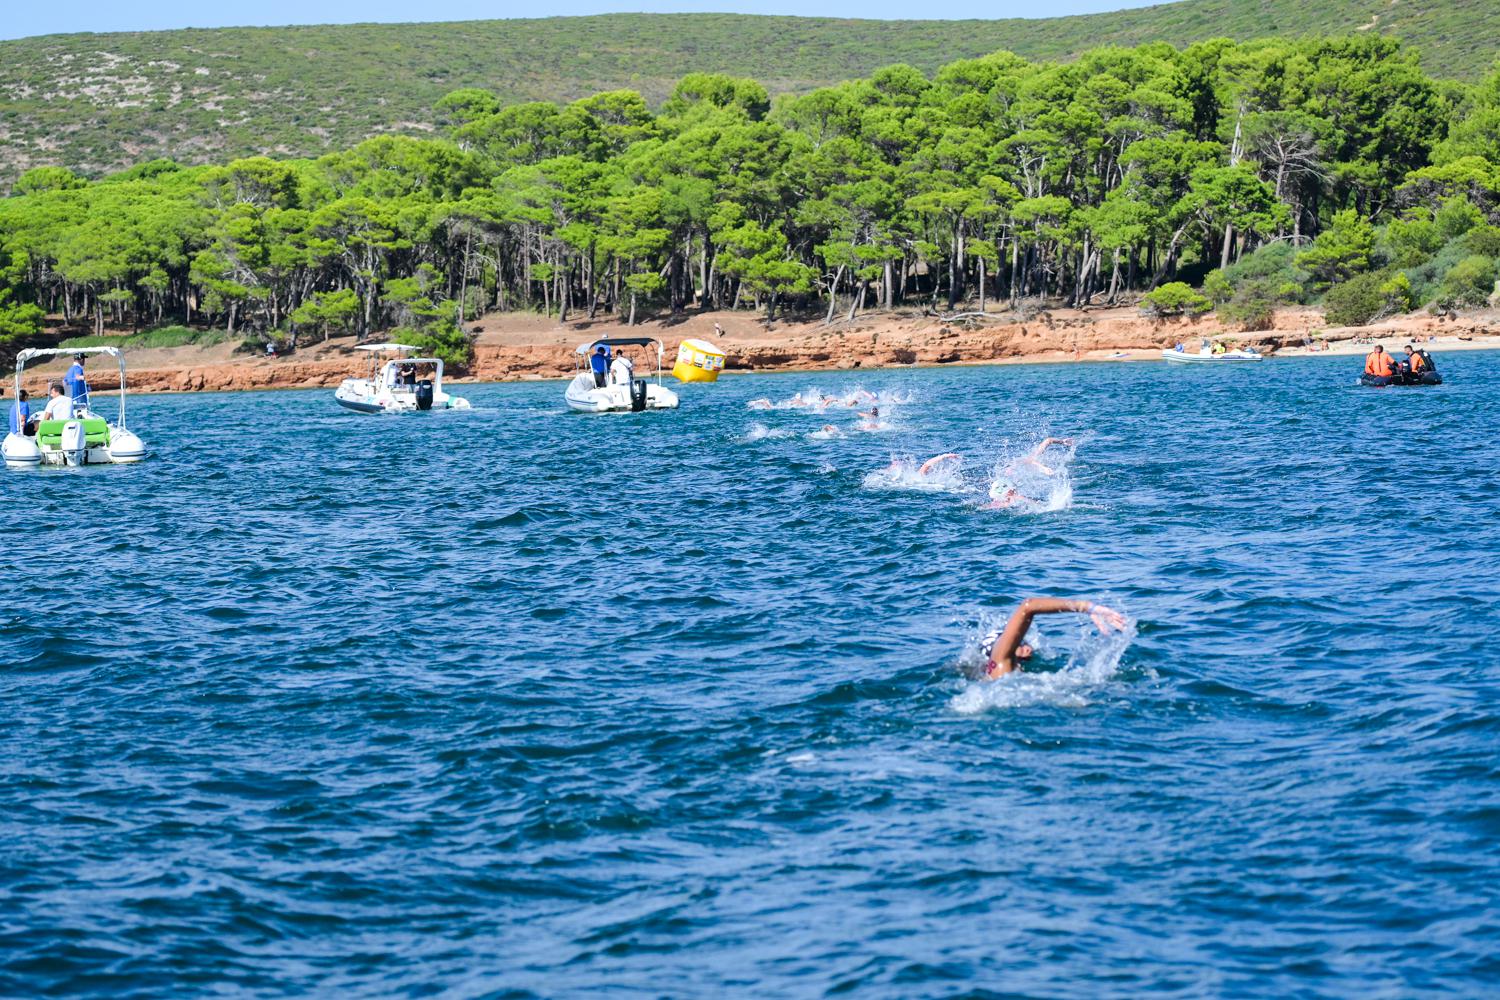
1378 367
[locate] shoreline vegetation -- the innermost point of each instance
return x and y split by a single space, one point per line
999 208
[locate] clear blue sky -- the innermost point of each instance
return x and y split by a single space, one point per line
46 17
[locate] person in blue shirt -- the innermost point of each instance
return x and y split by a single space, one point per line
599 362
78 389
20 415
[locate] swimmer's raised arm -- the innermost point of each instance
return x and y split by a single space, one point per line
1010 646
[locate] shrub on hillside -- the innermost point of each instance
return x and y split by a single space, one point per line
1175 298
1341 251
1253 306
1468 284
1428 275
1218 287
445 341
1355 302
1481 240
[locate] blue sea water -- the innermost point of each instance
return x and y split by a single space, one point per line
519 702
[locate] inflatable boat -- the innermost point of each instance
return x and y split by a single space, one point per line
621 392
1401 378
393 386
84 437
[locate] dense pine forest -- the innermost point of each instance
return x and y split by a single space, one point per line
1237 176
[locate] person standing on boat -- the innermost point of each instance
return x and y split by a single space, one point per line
622 370
78 389
1008 648
599 362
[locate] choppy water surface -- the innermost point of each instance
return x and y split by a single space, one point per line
520 702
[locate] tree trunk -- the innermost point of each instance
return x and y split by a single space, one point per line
833 294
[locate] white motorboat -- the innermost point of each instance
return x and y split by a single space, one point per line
84 438
393 387
1206 354
620 391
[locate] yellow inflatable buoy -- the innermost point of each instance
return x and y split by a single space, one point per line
698 361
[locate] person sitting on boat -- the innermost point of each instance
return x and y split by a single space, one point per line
78 388
20 415
621 370
599 363
60 405
1419 362
1378 365
1008 648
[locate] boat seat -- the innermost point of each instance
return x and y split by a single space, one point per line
95 432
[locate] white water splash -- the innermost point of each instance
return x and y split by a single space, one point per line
905 473
760 432
1032 481
815 400
1092 665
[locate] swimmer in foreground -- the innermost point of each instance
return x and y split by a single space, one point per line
1008 648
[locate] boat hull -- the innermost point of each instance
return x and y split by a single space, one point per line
1228 357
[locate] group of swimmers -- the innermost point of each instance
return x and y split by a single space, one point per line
1006 649
1004 492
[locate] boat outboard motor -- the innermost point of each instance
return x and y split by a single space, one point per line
74 445
424 394
637 395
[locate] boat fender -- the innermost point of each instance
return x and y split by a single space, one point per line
637 395
424 394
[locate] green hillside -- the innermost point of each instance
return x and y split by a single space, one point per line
95 102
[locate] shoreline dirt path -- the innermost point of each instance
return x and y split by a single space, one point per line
521 346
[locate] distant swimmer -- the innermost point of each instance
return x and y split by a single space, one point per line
871 421
1008 648
760 404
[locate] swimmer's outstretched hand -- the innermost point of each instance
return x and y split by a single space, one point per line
1107 620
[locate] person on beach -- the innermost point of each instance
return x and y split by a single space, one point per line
1008 648
599 363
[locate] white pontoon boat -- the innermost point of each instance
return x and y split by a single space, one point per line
85 438
393 387
620 391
